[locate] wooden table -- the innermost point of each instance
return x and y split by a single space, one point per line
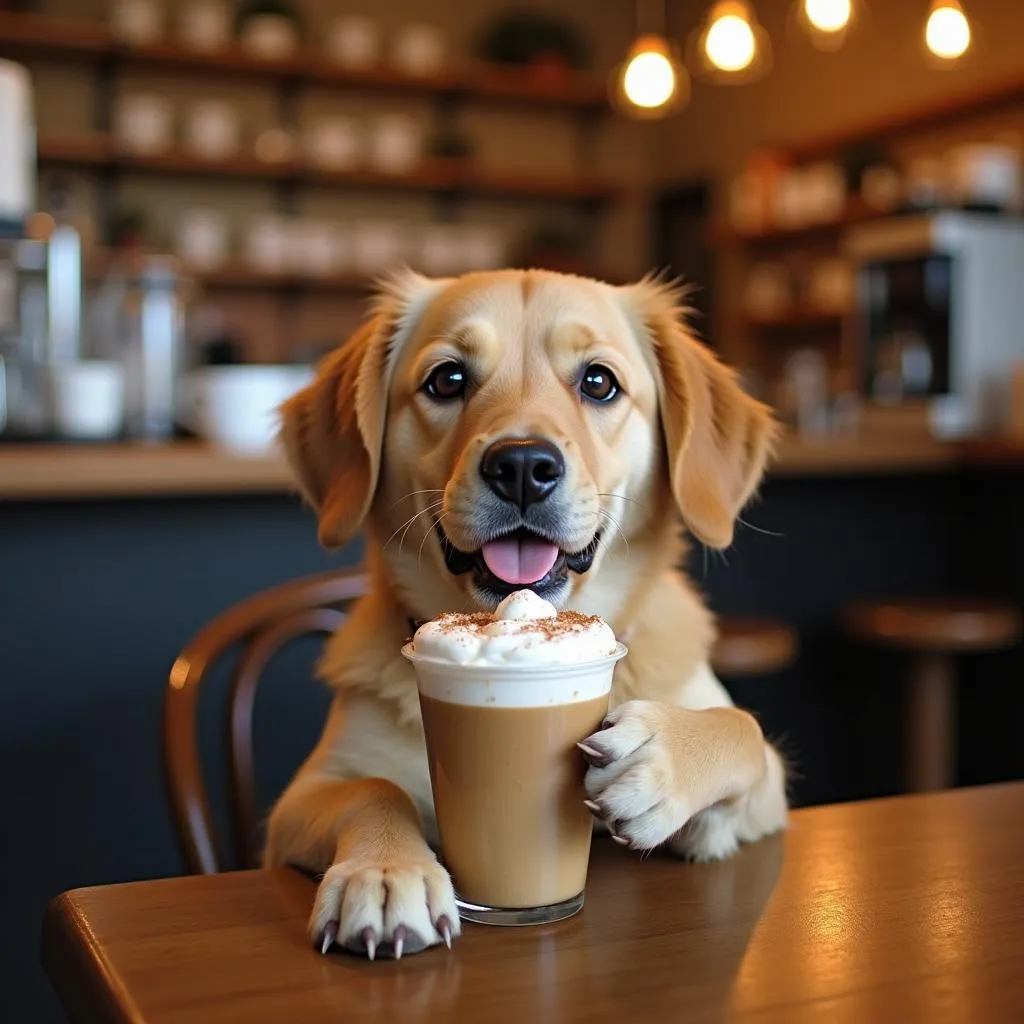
903 910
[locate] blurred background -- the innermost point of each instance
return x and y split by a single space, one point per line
194 200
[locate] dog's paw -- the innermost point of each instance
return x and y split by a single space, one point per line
384 909
708 836
632 782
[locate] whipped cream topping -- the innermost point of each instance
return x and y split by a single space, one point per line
524 629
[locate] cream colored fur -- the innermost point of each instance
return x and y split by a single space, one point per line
679 764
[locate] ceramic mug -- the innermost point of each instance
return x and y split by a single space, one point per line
144 123
395 144
354 42
212 129
87 399
418 49
270 36
268 243
137 22
237 407
335 144
203 239
205 25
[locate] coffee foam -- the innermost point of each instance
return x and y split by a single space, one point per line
527 654
514 685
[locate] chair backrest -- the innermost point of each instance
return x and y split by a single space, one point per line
263 624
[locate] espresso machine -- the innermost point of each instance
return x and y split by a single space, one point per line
939 319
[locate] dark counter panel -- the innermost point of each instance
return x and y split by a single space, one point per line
97 599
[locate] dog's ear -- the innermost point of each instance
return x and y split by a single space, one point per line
333 429
717 438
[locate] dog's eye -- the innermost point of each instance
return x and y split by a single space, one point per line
447 382
599 383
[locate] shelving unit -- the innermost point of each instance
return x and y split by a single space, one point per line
766 339
36 37
448 182
431 175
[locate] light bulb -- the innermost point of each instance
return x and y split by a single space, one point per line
730 43
649 80
828 15
947 32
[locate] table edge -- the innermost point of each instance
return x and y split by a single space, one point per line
73 960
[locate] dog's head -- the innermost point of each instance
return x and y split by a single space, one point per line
514 429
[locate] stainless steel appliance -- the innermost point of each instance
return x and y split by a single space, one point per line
940 314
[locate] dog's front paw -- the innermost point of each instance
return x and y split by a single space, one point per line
387 909
632 781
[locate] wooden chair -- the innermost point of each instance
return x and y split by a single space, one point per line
932 632
263 624
752 647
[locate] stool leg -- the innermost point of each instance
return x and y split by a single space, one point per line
930 748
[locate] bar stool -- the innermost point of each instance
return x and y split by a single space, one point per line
932 632
752 647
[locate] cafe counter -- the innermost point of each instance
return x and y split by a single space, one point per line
112 557
64 472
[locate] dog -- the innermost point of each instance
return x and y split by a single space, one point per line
511 429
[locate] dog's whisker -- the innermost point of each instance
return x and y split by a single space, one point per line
615 523
621 497
409 523
426 534
758 529
413 494
429 509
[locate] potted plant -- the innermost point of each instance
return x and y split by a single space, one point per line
129 229
545 44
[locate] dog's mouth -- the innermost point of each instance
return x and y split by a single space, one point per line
520 559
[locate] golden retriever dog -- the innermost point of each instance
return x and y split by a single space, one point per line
492 432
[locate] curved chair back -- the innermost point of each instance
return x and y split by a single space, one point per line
263 624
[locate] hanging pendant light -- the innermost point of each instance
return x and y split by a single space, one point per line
730 47
827 23
651 82
947 32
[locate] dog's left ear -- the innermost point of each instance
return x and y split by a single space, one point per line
717 438
333 429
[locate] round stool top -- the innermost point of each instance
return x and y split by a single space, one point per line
958 624
752 647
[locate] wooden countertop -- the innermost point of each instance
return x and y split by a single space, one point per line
904 909
34 472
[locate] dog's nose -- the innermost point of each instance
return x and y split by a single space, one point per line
522 470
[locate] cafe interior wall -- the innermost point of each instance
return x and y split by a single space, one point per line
883 69
506 140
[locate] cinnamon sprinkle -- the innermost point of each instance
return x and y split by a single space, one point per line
562 624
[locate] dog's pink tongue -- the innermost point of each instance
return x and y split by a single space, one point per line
520 559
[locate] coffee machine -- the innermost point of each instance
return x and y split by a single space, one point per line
939 319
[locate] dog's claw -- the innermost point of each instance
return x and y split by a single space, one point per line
594 808
598 758
330 934
444 929
620 840
369 938
400 934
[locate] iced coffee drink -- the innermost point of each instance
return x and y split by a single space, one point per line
505 699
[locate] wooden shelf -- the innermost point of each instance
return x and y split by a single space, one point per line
800 319
27 36
430 176
937 114
67 472
239 276
242 278
856 212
